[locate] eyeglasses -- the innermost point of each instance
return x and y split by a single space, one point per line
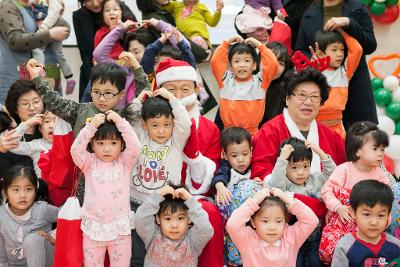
316 99
27 105
107 95
114 10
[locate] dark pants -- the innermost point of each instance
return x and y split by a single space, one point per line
308 255
138 247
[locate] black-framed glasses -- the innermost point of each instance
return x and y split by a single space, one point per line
107 95
316 99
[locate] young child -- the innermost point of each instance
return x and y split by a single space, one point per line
35 147
21 218
108 84
240 90
47 14
292 173
338 75
270 240
371 203
365 146
163 220
192 17
107 220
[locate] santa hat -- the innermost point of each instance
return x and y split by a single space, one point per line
175 70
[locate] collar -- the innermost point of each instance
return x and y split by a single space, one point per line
277 243
23 218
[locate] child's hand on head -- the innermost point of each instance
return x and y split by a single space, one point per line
177 35
182 193
144 95
165 190
129 24
261 195
129 59
34 68
35 120
113 116
98 120
286 151
253 42
317 150
223 194
165 36
284 196
344 213
164 93
235 39
149 22
219 5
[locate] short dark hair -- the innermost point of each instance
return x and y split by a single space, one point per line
273 201
155 107
171 52
174 204
241 48
5 121
307 75
281 53
359 133
143 36
107 130
109 72
325 38
300 152
370 193
234 135
17 89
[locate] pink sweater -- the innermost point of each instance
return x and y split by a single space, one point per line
255 251
346 176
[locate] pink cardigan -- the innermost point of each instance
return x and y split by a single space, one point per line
255 251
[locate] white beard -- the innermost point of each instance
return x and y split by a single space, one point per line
189 100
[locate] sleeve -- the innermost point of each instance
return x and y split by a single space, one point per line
170 7
182 123
133 114
78 149
339 258
149 56
21 129
223 174
219 62
201 231
101 53
141 81
3 253
277 5
187 54
362 30
61 107
131 152
328 166
53 14
278 176
145 218
269 66
26 148
201 171
51 213
337 178
355 52
13 31
306 223
236 225
163 26
211 19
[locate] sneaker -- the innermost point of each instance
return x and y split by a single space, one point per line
203 95
70 86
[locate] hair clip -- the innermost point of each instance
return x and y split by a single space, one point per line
301 62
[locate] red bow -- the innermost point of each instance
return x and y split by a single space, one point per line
302 62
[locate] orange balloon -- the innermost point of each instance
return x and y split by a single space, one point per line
373 59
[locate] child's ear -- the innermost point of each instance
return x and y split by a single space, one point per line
252 223
121 94
224 156
158 219
352 213
254 66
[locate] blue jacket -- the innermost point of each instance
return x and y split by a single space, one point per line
361 28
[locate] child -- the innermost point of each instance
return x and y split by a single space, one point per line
21 218
107 220
242 94
35 147
338 75
168 238
270 240
365 146
371 202
108 84
47 14
292 173
192 17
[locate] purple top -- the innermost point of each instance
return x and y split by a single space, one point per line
257 4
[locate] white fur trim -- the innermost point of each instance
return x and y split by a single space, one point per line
200 170
178 73
71 210
61 127
189 100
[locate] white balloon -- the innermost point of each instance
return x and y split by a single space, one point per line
393 150
386 124
391 83
397 168
380 110
396 95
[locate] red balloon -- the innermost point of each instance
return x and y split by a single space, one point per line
391 14
389 164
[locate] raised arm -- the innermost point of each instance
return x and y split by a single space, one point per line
133 114
278 176
269 66
355 52
210 18
219 62
103 50
149 56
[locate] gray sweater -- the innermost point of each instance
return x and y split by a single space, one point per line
161 251
12 231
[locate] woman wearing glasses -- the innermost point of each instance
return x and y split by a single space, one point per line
22 103
305 92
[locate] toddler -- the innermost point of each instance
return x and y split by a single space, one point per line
106 150
365 146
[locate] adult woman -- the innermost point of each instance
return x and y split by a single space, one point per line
18 37
352 16
22 103
306 91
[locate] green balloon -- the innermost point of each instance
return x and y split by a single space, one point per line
366 2
382 97
397 129
393 110
377 83
390 2
377 8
